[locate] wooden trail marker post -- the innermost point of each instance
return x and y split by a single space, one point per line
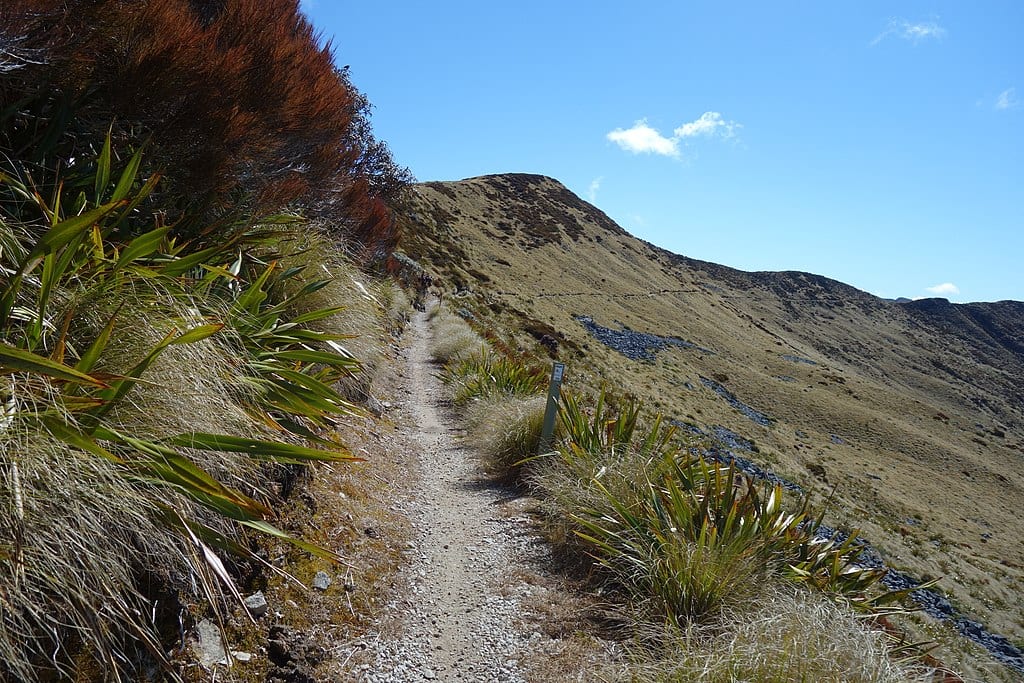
554 391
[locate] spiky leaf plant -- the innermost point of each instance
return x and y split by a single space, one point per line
682 534
489 374
107 323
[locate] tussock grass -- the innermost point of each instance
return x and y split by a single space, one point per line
505 430
454 339
501 398
78 532
396 306
784 636
692 548
365 302
146 418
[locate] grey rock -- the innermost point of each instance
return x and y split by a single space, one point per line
321 581
375 406
208 646
256 604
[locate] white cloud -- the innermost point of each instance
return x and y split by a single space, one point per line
642 139
945 289
595 185
1007 99
914 33
709 123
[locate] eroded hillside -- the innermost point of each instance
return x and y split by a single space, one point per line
910 412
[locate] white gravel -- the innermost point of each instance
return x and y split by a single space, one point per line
460 614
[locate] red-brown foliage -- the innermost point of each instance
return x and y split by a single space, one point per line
239 100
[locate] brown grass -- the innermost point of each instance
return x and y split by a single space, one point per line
785 637
505 430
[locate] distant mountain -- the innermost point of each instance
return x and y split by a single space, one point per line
912 410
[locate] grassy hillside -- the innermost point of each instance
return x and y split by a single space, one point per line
908 414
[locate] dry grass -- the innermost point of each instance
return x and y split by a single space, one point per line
505 429
453 338
97 563
366 302
786 637
78 534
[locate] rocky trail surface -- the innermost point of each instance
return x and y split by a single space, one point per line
469 600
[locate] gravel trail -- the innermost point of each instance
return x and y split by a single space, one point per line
458 614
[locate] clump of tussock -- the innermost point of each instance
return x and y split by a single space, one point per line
781 635
79 532
396 306
505 430
691 548
601 457
363 300
487 374
453 338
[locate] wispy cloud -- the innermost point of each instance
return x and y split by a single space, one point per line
595 185
1007 99
911 32
643 139
710 123
945 289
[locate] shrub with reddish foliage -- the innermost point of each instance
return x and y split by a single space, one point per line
239 100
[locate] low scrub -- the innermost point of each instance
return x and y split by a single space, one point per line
692 544
150 389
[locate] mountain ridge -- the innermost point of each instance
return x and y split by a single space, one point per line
912 410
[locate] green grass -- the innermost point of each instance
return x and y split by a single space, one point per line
487 374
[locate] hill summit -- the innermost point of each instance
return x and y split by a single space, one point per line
907 415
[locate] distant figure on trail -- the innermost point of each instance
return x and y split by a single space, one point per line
422 286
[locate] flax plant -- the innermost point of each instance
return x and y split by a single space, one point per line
100 317
684 536
488 374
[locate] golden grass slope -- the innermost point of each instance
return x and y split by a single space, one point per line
911 411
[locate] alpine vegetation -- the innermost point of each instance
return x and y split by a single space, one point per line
168 354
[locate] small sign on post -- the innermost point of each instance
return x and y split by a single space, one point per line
554 389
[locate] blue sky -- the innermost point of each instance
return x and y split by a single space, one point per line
877 143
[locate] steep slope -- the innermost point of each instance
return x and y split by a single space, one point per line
912 411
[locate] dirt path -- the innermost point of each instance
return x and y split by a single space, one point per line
466 605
